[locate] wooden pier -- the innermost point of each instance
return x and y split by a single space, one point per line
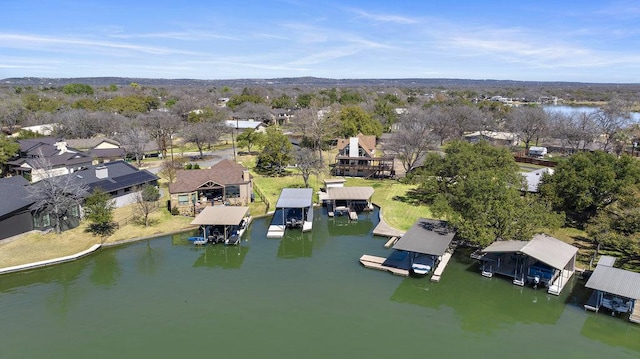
391 242
376 263
437 273
635 315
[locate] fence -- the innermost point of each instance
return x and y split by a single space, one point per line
260 194
535 161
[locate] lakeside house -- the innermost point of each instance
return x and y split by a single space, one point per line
226 182
357 158
17 215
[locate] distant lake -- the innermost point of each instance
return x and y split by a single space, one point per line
302 296
577 109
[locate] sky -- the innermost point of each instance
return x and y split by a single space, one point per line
577 41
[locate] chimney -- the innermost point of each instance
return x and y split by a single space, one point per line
61 146
353 147
246 176
102 172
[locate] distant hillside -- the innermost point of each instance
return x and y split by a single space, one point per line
300 82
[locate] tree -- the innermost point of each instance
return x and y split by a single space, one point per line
145 201
611 119
8 149
135 138
478 189
316 127
412 139
98 210
618 226
355 120
575 130
588 182
308 162
12 113
169 169
77 89
284 101
249 138
529 123
205 127
56 196
162 126
276 153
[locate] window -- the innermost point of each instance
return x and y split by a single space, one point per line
232 191
183 199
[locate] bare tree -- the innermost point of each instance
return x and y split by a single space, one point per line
611 119
413 138
308 162
146 202
317 127
574 130
205 127
135 139
464 118
56 196
529 123
162 126
12 113
169 169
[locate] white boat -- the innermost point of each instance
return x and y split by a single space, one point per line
420 269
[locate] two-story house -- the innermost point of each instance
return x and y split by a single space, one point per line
357 158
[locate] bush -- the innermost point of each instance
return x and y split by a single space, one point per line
175 211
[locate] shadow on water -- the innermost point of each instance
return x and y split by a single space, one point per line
296 244
221 256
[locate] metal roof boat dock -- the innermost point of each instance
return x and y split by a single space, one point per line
426 243
615 289
293 209
350 200
222 224
542 260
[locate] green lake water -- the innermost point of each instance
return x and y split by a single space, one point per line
303 296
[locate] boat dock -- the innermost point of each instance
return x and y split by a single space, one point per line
635 315
391 242
376 263
437 273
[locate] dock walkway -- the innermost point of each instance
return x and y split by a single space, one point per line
376 263
635 315
437 273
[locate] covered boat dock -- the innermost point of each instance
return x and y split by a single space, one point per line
543 260
426 245
349 200
615 289
222 224
294 209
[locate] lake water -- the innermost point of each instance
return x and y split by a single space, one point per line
303 296
635 116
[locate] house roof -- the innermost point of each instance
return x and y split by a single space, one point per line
120 174
89 143
295 198
56 157
366 142
107 152
533 178
244 124
349 193
221 215
13 194
615 281
495 135
542 247
225 172
427 236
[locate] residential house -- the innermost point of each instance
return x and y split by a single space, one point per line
15 216
118 178
226 182
493 137
100 148
60 159
357 158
